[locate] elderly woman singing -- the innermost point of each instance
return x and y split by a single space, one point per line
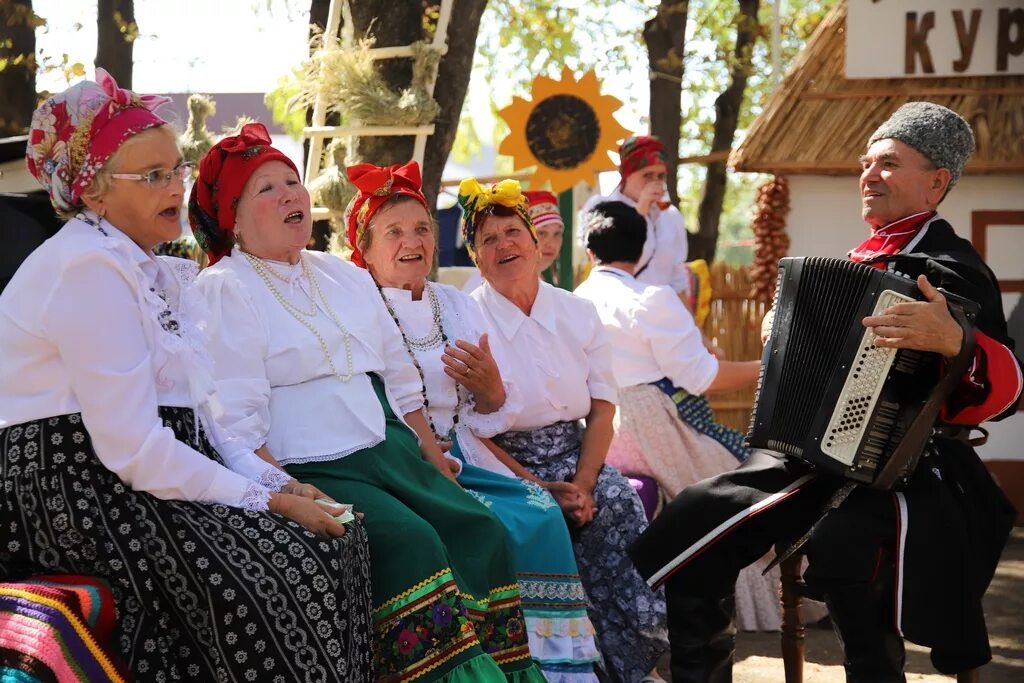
556 348
111 462
314 375
465 399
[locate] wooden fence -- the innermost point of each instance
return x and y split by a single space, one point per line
735 325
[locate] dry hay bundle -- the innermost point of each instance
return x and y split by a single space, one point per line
770 239
197 139
352 87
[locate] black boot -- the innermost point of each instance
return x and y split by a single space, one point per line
863 619
701 635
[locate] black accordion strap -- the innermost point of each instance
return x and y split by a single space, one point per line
904 458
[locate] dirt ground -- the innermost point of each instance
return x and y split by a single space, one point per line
758 658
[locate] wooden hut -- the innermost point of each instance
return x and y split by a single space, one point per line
816 125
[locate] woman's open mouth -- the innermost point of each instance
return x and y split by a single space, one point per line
294 217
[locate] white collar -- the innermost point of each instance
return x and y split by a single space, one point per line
510 318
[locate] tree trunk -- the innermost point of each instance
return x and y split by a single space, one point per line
115 38
17 82
450 91
727 112
400 23
665 37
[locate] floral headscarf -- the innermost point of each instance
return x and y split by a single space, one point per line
640 151
223 173
477 202
376 185
75 132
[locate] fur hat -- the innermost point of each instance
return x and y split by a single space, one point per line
940 134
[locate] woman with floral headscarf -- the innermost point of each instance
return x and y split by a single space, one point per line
314 376
111 461
465 399
554 345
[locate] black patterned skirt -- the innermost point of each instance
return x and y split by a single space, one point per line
204 592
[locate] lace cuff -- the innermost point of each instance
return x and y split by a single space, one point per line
255 497
273 479
499 421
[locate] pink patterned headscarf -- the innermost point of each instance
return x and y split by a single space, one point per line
75 132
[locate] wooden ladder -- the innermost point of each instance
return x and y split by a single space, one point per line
318 131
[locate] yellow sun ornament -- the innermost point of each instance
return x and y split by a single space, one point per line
566 131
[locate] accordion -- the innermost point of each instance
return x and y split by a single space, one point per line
827 395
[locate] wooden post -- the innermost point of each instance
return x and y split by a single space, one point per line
566 274
793 631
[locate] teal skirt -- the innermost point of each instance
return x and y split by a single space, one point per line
554 603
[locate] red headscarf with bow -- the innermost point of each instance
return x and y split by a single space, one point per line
223 173
376 185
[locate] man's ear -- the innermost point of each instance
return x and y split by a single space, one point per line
939 185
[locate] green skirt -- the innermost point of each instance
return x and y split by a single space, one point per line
446 603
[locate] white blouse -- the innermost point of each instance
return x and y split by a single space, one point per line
652 334
460 319
273 376
664 255
559 355
80 331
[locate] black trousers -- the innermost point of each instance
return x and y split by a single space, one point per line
696 547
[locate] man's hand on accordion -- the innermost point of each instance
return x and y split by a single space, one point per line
919 325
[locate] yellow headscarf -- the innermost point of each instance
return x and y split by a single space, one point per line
477 201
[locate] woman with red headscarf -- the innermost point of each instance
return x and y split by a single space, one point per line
467 401
111 461
314 377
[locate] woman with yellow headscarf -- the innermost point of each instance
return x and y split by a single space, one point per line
555 348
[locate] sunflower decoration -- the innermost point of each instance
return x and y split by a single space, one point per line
566 131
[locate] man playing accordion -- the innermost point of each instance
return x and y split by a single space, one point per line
913 562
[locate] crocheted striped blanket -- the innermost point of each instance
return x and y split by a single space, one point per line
56 628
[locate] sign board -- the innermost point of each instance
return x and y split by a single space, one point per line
934 38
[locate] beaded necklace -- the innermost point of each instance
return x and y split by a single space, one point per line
435 309
263 270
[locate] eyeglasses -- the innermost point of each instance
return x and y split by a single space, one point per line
159 178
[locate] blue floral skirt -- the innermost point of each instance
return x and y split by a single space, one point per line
554 603
629 617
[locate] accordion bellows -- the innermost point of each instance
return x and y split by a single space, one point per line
827 394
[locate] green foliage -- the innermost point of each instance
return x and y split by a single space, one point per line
522 38
709 59
292 119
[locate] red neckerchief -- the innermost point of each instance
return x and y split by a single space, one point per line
890 239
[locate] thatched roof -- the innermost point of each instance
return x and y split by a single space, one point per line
818 121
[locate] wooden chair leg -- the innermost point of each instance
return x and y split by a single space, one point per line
793 632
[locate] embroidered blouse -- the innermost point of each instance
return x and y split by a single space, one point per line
559 355
93 324
274 379
461 319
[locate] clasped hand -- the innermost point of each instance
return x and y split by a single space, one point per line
297 502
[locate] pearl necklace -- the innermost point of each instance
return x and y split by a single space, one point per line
264 271
435 309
